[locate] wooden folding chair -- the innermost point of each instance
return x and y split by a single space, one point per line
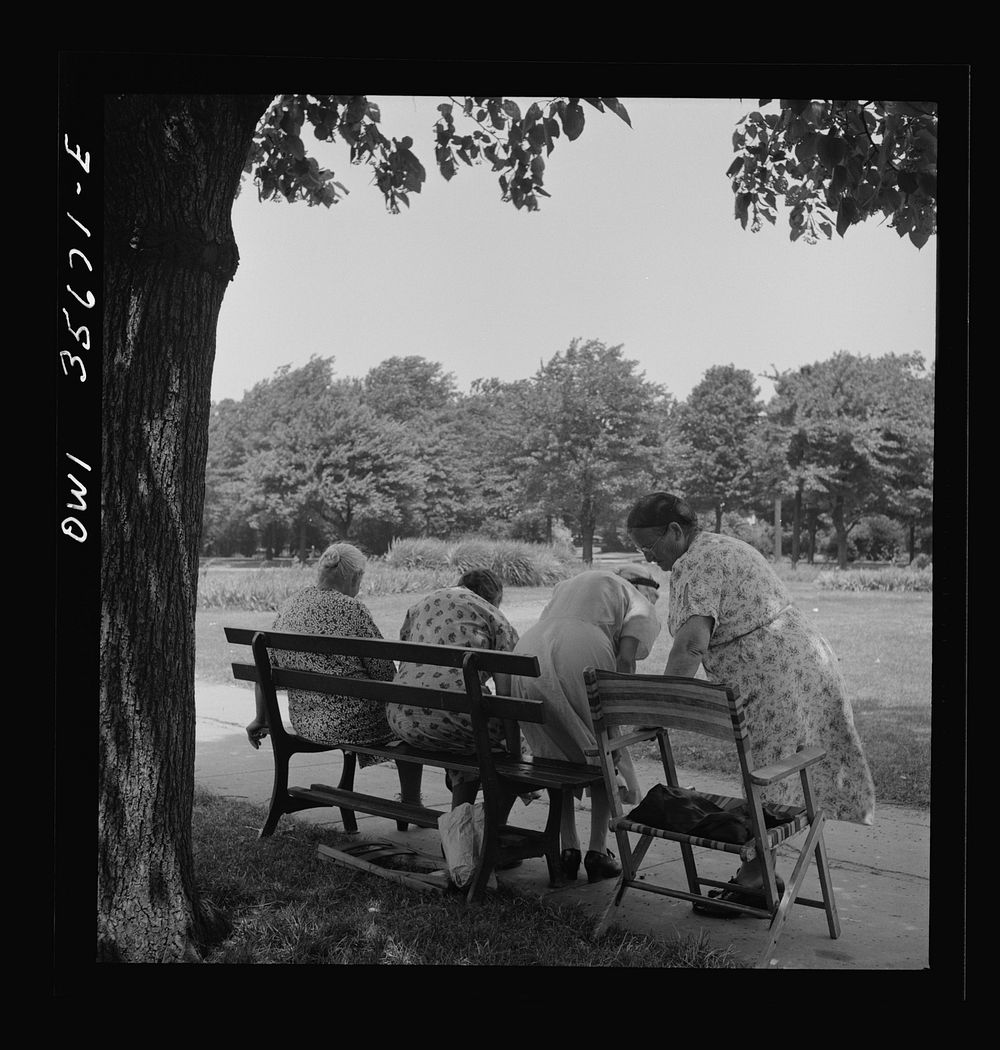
654 704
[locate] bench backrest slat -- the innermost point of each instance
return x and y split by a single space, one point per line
392 693
488 660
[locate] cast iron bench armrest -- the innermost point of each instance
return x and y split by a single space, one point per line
784 767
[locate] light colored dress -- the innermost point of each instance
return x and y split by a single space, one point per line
785 670
320 717
580 627
449 616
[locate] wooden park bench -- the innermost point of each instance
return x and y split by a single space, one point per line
501 774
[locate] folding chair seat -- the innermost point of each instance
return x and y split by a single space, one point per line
650 706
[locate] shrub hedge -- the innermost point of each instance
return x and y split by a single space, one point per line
877 580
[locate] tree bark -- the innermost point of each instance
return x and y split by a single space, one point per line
718 517
840 528
588 523
173 165
796 525
812 524
777 529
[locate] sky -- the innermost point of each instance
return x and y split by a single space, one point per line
637 246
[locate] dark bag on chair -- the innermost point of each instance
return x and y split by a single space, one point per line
691 813
673 809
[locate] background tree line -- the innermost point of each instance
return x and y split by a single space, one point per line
845 445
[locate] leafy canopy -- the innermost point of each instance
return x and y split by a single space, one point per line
493 130
837 163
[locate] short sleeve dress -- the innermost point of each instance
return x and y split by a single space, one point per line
334 719
580 627
785 670
448 616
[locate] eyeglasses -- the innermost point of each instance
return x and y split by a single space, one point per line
649 550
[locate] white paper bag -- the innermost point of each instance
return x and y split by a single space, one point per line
462 840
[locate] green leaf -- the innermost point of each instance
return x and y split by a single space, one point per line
805 148
512 109
846 214
920 235
573 120
596 103
827 229
617 108
839 180
764 102
928 183
293 145
445 108
734 168
831 149
406 142
907 182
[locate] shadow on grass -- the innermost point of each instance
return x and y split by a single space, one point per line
287 905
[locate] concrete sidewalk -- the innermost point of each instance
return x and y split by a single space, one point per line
880 874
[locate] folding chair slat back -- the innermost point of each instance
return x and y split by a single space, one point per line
674 703
658 704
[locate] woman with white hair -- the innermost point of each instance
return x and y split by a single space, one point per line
331 606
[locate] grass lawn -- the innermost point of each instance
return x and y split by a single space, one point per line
286 905
883 640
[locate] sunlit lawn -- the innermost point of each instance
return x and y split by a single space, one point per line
883 640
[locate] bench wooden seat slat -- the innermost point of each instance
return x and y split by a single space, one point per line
391 693
534 772
380 807
488 660
501 774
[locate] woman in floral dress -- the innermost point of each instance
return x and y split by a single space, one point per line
601 619
467 615
730 612
331 606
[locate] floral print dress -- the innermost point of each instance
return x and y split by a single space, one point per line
449 616
785 670
321 717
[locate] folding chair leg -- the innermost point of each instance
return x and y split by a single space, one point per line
791 892
689 867
826 884
606 916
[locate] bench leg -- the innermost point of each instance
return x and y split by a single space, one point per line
553 855
347 783
279 790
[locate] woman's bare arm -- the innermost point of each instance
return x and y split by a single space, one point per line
689 646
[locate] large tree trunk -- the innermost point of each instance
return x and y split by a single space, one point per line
812 521
172 166
796 525
840 528
777 529
718 517
588 523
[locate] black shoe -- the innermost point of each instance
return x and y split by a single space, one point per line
570 859
601 865
751 897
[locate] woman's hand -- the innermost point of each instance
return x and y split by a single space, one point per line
625 657
256 731
624 664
